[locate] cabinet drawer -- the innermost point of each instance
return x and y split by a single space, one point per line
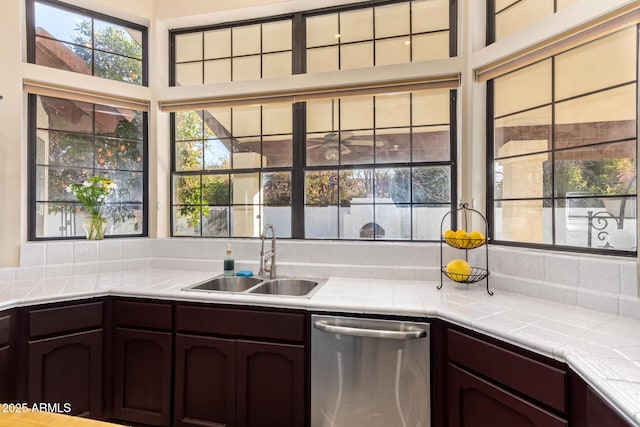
50 321
241 323
534 379
143 315
5 330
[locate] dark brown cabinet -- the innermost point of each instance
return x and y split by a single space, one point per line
224 378
65 358
476 402
7 350
142 362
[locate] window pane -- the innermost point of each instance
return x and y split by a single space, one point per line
356 147
58 220
427 47
524 177
189 125
393 110
218 122
393 145
598 170
356 55
520 15
322 30
527 221
276 36
64 149
321 222
218 71
246 40
280 218
217 44
117 39
597 65
356 25
245 221
392 20
61 24
189 74
277 119
215 221
120 154
216 190
393 185
431 185
523 133
188 47
52 182
217 153
116 67
322 149
426 221
246 68
356 112
52 120
602 116
63 56
322 59
186 220
277 151
276 65
429 15
522 89
431 144
188 155
186 190
356 186
430 107
393 51
356 222
321 188
277 188
245 188
246 121
248 154
392 222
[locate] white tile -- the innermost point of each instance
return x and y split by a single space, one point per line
558 293
629 279
59 270
503 261
598 301
59 253
600 275
80 268
426 254
110 266
561 269
7 274
529 265
29 273
85 251
136 248
110 250
32 254
630 308
136 264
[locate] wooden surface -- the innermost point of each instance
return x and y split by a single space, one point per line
47 419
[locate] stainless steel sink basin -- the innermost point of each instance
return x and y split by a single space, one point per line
226 284
288 286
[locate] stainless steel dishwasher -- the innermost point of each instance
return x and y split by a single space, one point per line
369 372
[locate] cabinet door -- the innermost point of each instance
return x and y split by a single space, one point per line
205 381
67 369
271 387
475 402
142 370
6 370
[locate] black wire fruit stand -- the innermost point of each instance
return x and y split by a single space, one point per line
466 244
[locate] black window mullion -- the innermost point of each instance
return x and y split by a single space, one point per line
297 172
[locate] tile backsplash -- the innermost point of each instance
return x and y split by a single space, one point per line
607 284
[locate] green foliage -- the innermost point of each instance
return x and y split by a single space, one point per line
92 193
597 177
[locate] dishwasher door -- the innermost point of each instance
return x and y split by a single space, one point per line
369 373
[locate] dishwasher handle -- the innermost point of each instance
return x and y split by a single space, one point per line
411 333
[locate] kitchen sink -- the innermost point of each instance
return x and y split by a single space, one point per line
288 286
283 286
226 284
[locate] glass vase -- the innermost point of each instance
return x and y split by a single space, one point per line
94 227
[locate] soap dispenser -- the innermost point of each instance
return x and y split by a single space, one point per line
229 264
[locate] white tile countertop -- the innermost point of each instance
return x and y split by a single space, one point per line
603 348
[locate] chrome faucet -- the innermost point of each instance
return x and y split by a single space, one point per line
270 255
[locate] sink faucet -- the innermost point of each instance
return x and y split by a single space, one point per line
268 256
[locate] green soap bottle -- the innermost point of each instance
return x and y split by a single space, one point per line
229 264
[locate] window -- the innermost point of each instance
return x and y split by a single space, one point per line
395 33
508 16
373 163
241 52
73 140
564 149
232 171
81 41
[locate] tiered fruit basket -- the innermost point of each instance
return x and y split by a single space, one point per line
466 242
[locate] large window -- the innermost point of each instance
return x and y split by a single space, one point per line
71 141
374 163
74 39
564 149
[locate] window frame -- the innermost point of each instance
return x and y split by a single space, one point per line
32 138
31 33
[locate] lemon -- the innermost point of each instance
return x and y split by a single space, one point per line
449 234
458 270
460 240
476 239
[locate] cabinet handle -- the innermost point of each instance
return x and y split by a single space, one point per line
411 333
